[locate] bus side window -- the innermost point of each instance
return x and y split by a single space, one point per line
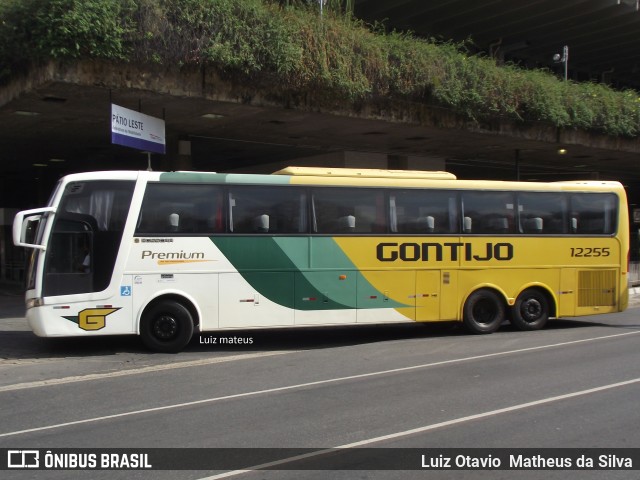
208 217
256 209
594 213
543 213
181 209
425 212
339 210
490 213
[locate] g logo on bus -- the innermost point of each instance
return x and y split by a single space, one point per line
91 319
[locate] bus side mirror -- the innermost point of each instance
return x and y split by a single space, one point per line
30 228
25 226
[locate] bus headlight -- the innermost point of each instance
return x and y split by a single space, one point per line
34 302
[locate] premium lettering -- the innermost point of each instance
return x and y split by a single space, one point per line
181 255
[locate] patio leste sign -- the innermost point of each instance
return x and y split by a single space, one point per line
137 130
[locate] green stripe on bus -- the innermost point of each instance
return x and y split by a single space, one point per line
294 271
228 178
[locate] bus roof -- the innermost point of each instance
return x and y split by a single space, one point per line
365 172
330 176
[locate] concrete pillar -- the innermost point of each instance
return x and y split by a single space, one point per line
183 160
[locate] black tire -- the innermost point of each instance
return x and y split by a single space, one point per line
531 310
483 312
166 327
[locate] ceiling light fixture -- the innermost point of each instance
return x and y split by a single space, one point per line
212 116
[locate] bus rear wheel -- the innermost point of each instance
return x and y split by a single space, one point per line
166 327
484 312
531 310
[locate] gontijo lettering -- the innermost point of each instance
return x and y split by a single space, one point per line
452 251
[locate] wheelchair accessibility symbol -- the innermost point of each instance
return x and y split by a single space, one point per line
125 290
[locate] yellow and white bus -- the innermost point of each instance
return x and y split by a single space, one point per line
164 255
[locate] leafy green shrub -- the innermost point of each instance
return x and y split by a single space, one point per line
65 28
285 48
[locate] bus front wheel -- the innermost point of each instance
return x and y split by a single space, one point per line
531 310
166 327
484 312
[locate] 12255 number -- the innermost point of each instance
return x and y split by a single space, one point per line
590 252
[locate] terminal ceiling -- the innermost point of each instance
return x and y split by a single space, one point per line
602 35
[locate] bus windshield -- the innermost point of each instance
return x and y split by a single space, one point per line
86 236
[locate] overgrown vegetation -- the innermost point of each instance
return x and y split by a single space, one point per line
287 48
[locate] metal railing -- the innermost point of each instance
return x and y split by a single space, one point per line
634 274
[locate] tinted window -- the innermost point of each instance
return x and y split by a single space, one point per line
488 212
593 213
348 211
424 211
543 213
267 210
188 209
86 236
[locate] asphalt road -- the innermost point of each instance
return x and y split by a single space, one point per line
575 384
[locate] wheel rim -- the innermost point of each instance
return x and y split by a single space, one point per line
165 327
485 311
531 310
